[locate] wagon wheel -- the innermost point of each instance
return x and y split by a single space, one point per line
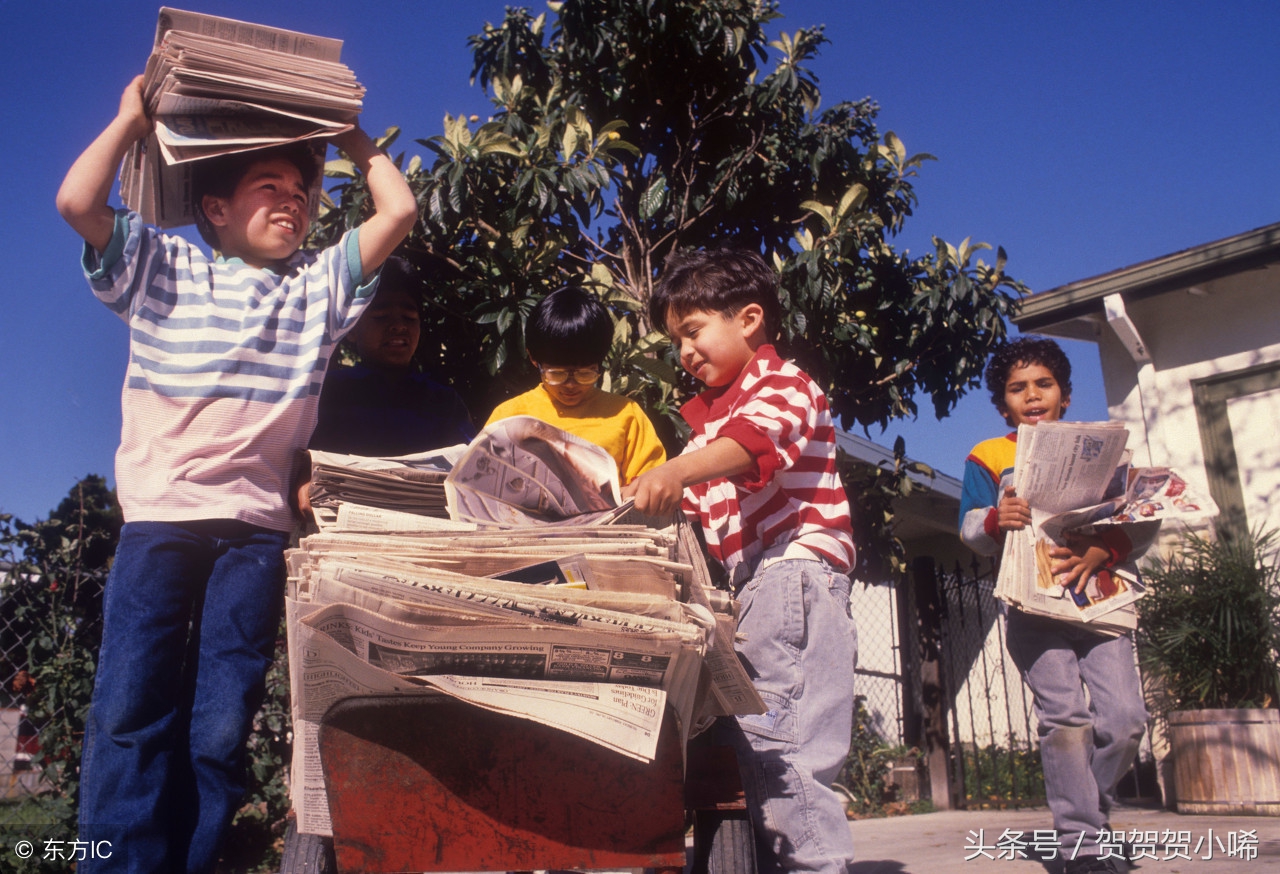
306 854
723 843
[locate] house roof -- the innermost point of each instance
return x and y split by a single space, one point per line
932 508
1073 309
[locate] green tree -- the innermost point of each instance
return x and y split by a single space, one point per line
624 130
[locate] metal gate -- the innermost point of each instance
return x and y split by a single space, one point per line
975 711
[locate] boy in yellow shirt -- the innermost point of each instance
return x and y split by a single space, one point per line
568 335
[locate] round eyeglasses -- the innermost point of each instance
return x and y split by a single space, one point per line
561 375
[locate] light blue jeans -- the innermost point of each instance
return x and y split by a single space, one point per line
191 615
801 649
1086 744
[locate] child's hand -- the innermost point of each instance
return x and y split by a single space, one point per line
1079 561
302 499
657 492
357 144
1013 513
133 110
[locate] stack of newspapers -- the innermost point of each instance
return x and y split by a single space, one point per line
585 622
519 471
215 86
355 492
1078 481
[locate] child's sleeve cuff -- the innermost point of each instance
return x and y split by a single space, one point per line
364 286
1116 542
98 266
991 525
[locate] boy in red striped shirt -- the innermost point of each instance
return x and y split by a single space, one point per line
759 476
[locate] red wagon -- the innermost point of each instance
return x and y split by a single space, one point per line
436 784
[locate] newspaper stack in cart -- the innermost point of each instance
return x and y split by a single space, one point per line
215 86
1077 479
535 599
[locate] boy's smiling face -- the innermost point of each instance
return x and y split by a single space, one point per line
714 347
266 219
1032 394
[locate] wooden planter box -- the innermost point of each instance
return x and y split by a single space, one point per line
1226 761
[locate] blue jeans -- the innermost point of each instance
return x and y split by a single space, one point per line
801 649
191 615
1086 745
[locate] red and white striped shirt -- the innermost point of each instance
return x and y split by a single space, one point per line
794 497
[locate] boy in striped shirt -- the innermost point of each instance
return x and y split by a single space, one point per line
759 476
226 360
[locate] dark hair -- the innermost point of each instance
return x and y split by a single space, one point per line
570 326
716 280
397 276
219 177
1025 351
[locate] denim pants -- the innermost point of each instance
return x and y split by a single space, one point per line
191 615
1086 744
800 649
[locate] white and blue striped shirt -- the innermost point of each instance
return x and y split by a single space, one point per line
226 362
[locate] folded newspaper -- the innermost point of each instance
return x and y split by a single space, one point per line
216 86
587 627
1077 479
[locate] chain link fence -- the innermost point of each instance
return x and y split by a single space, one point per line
41 709
879 676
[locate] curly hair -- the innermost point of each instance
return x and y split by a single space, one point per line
1023 352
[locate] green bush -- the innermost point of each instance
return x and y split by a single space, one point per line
50 631
1209 625
997 776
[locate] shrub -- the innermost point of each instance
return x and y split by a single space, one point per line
1209 629
996 776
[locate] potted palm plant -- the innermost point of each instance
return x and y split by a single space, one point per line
1209 645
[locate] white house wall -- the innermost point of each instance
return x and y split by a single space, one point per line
1253 428
1192 336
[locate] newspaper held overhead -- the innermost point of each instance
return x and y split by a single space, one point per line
216 86
1077 479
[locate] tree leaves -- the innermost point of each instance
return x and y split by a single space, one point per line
625 130
654 197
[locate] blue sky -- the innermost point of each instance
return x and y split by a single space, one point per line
1083 137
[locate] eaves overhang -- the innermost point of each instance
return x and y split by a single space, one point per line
1082 301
